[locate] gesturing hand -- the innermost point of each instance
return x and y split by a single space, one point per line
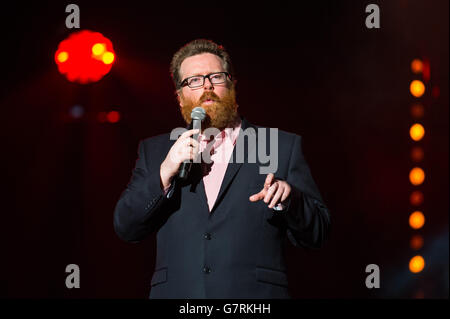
274 190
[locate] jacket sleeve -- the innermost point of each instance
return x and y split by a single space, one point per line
307 217
140 205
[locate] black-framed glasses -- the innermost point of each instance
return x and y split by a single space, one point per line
199 80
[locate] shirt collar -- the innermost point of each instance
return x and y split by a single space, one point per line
227 133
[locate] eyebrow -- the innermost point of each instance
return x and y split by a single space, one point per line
199 74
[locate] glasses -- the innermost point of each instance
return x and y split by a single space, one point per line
199 80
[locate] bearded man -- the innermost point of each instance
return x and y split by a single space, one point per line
222 232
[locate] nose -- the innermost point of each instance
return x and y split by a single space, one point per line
208 85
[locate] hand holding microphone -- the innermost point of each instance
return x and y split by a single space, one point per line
183 151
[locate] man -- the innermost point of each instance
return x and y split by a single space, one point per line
220 233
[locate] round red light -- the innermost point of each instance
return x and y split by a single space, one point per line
80 59
113 117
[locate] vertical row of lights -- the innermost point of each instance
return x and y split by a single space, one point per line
417 173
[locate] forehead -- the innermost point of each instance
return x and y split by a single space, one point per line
201 64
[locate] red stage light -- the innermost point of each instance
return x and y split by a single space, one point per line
85 57
113 117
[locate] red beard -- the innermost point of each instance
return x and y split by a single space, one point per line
222 113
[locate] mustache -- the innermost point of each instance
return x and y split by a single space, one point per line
209 96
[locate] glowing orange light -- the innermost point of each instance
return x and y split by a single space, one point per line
98 48
416 264
417 154
416 242
86 50
417 88
417 132
416 220
108 57
417 111
416 176
416 198
416 66
63 56
113 117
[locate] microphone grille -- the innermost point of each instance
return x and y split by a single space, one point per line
198 113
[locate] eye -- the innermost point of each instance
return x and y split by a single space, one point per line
195 80
218 76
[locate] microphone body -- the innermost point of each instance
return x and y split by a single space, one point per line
185 167
198 115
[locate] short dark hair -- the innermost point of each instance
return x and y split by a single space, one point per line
196 47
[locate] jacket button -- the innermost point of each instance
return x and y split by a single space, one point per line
206 270
207 236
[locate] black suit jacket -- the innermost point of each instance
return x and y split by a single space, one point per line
236 250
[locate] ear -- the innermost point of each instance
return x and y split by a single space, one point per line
179 100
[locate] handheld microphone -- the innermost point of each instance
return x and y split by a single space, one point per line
198 114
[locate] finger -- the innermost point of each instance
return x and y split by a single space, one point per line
189 133
187 153
193 152
276 197
196 156
270 192
184 154
269 180
258 196
191 142
286 193
191 146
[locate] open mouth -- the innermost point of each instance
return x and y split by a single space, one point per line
208 101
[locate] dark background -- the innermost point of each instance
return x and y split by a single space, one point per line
313 69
